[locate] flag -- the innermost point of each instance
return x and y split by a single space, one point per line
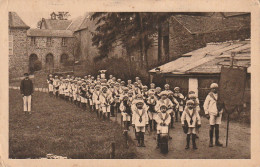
231 87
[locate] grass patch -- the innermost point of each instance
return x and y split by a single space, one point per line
61 128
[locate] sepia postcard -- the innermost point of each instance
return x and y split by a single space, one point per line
130 83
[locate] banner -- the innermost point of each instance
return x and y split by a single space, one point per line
231 87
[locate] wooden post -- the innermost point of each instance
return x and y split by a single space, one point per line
113 150
233 54
227 130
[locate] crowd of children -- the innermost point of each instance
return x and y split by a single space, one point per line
141 106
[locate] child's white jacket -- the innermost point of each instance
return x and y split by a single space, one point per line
96 97
194 116
210 104
137 114
106 99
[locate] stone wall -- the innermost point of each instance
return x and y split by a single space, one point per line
41 49
18 62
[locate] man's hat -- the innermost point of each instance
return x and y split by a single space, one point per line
176 88
192 96
163 105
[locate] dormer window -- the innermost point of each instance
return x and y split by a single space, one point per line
53 16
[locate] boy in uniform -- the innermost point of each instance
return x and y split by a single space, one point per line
151 102
56 85
50 85
105 101
140 121
162 119
96 99
213 113
191 119
125 108
181 99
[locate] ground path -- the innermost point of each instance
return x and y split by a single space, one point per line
238 148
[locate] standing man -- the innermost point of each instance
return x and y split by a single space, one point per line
26 89
213 113
158 78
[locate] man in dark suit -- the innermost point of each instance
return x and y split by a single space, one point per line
26 89
158 78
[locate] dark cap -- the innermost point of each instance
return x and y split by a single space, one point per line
26 74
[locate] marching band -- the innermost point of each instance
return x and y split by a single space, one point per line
142 107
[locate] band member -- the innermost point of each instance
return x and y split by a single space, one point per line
176 106
191 119
96 99
162 119
157 92
136 89
50 84
181 99
167 88
66 89
110 79
166 101
83 92
129 84
125 108
140 121
145 92
61 88
151 102
56 84
213 113
105 102
90 96
152 87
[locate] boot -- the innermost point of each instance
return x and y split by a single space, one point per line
138 139
154 125
172 120
194 142
142 139
217 143
188 142
211 138
158 141
176 116
108 115
150 124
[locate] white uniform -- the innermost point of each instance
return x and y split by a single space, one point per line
162 118
105 100
50 84
140 119
192 117
166 102
151 111
96 99
126 116
210 107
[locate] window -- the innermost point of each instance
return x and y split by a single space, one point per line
64 42
33 41
11 44
48 41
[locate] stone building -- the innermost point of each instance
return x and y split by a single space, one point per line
18 60
52 47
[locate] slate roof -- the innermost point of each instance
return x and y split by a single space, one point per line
14 21
81 23
208 60
206 24
49 33
56 24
